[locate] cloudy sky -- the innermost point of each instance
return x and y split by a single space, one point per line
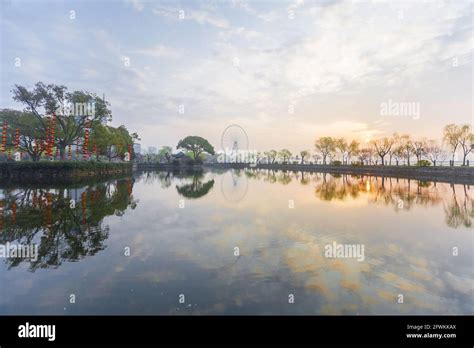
287 72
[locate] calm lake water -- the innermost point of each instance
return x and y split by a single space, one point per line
238 242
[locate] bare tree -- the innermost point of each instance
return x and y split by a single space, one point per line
365 155
304 153
419 148
271 156
406 145
342 145
285 155
326 146
452 134
353 149
316 158
398 153
433 151
382 147
466 140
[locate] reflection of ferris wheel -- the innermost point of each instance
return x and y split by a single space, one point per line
234 186
234 138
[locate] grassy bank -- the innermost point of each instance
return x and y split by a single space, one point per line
59 170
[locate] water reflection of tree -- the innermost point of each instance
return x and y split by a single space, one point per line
284 177
65 223
337 187
150 177
196 188
459 210
402 194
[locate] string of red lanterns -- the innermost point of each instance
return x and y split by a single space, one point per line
4 137
86 143
45 145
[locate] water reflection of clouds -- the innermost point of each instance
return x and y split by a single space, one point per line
304 258
282 250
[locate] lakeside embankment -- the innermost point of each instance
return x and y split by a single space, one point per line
67 172
453 175
60 171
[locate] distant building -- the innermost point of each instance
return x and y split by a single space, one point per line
137 148
179 155
180 158
152 150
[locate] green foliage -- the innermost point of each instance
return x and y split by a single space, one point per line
62 166
111 142
196 145
336 163
195 189
30 129
424 183
73 110
285 155
79 230
304 154
326 146
423 163
271 155
165 152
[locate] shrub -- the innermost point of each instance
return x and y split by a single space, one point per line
336 163
62 166
423 163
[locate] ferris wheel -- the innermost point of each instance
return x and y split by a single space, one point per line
234 138
234 185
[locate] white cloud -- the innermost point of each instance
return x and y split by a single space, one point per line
200 16
158 51
137 4
329 49
204 17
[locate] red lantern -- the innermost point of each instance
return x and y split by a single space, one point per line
34 199
51 136
86 143
42 145
48 137
84 207
17 139
4 137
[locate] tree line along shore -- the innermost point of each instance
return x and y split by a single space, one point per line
68 132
